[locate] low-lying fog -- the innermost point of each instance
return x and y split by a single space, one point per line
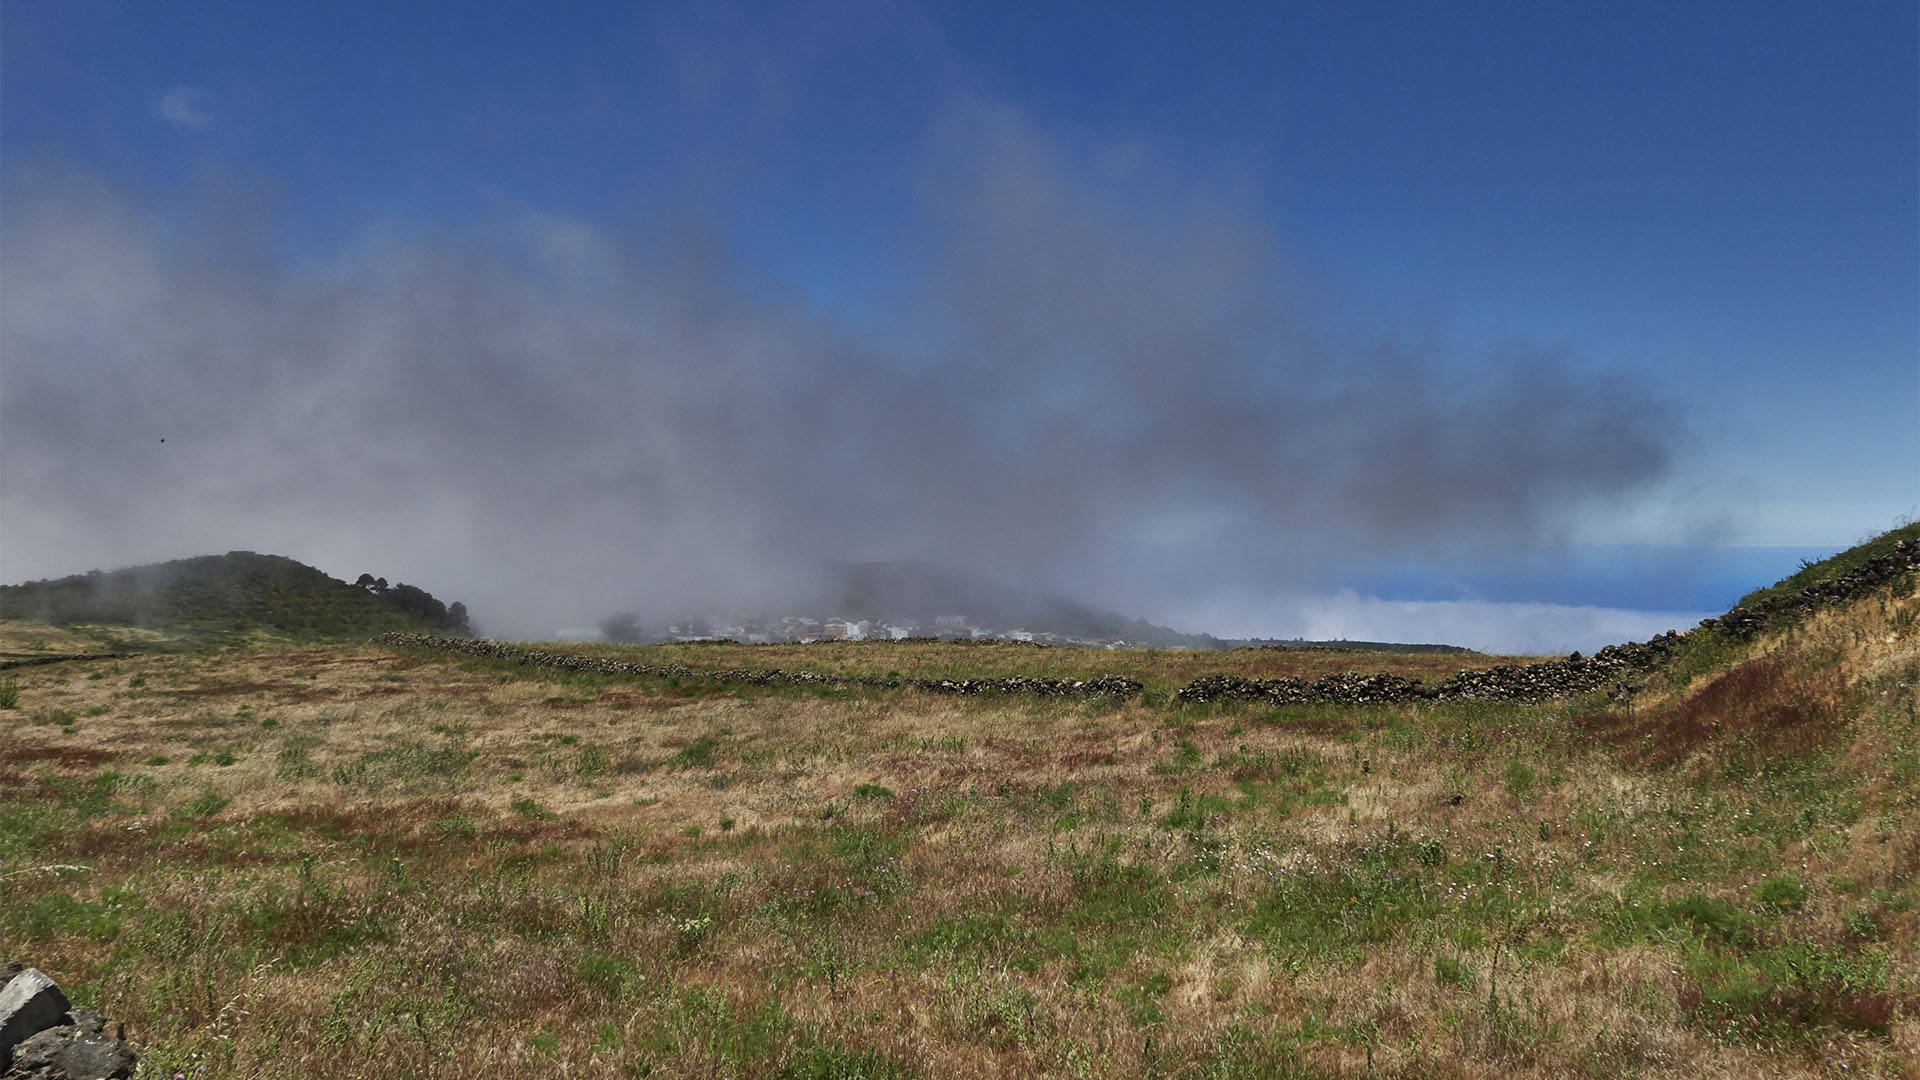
1085 380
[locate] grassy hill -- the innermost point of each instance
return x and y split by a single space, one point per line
401 862
239 593
1814 574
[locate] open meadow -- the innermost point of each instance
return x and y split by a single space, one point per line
365 860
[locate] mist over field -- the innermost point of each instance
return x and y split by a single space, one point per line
1275 329
545 416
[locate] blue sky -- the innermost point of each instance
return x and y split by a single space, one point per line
1274 318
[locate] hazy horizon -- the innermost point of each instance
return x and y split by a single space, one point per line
1538 626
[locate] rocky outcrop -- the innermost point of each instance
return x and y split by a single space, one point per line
1120 686
43 1037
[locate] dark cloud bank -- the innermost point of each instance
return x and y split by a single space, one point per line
1096 374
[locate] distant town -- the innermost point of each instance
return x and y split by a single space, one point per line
906 600
800 630
795 629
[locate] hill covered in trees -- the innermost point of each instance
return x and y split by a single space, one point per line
237 592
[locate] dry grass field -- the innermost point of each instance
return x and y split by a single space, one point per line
364 861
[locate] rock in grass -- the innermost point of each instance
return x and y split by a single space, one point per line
43 1038
30 1002
81 1050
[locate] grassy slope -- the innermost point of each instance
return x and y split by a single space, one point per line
345 861
1834 566
233 597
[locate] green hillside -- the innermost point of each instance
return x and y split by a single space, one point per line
1852 560
236 593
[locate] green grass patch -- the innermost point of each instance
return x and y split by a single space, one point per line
204 805
59 915
1325 908
701 753
1788 990
607 975
1194 812
407 768
951 938
828 1062
1108 892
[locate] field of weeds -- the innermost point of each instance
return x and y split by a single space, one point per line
368 861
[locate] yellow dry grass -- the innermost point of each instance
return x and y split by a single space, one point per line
360 861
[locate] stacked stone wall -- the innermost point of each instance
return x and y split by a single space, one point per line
1512 682
1119 686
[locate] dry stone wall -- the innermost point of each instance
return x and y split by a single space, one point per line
9 662
1512 682
1120 686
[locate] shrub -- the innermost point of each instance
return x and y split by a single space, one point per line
1863 925
1451 971
1519 778
457 827
694 930
1782 893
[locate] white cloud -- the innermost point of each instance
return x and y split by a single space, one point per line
551 422
185 107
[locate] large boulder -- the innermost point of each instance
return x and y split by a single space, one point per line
81 1050
30 1002
42 1037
